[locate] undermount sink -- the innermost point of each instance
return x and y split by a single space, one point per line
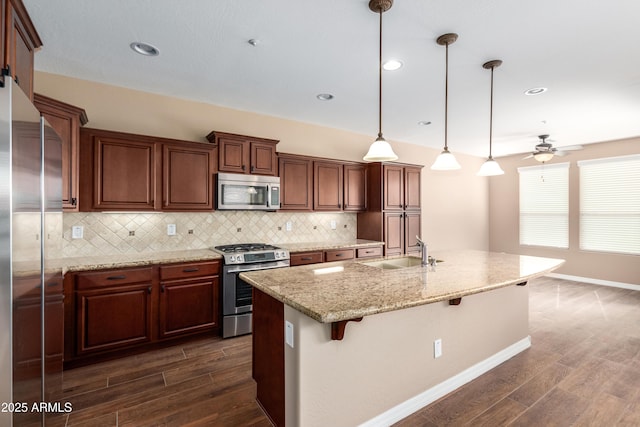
394 263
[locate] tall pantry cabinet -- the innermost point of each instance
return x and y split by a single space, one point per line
394 207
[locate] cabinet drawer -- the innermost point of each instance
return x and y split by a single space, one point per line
369 252
185 271
338 255
113 278
304 258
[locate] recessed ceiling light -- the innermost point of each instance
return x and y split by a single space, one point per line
144 49
253 42
324 97
424 123
535 91
392 65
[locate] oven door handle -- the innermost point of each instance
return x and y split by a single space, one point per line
253 267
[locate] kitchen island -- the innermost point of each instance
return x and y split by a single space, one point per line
310 370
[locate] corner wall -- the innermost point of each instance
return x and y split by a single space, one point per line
504 217
455 204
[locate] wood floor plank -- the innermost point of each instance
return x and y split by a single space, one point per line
500 414
534 389
557 408
605 411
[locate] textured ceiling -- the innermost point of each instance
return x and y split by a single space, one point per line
586 52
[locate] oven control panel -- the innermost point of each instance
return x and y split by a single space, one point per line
251 257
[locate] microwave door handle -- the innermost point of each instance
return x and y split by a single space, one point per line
268 195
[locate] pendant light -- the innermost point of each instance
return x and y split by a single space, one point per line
446 160
380 150
490 167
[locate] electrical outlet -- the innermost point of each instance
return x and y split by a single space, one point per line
288 226
77 232
333 224
437 348
171 229
288 333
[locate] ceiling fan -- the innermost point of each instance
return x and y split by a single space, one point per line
544 151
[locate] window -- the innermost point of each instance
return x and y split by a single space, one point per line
610 204
544 205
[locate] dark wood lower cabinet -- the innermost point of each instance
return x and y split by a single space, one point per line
113 317
188 306
109 313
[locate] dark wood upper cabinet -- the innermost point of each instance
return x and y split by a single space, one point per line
394 209
245 154
20 42
296 182
66 120
355 187
121 171
327 186
184 165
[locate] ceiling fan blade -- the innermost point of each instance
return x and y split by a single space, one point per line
560 153
528 157
571 147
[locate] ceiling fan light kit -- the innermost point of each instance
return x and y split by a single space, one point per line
380 150
446 160
490 167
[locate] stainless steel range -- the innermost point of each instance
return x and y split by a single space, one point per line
236 293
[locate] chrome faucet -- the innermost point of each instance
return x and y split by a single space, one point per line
424 251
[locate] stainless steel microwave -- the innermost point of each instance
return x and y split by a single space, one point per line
247 192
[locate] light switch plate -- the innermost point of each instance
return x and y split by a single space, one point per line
437 348
77 232
333 224
171 229
288 226
288 333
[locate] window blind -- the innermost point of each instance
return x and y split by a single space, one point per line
610 204
544 205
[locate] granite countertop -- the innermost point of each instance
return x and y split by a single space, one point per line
137 260
339 244
346 290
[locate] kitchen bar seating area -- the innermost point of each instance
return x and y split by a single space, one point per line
578 370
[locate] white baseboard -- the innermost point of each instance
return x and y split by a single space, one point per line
423 399
595 281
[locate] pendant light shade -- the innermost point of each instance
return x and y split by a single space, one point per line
380 150
490 167
445 160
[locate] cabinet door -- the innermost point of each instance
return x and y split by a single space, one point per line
124 174
22 40
233 155
111 318
412 188
355 187
187 178
66 120
394 233
393 187
296 183
263 159
412 229
327 182
188 306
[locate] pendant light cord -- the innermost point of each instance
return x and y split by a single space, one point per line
491 116
380 80
446 95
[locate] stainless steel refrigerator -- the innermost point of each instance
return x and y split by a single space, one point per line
31 298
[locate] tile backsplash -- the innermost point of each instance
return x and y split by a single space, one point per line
131 233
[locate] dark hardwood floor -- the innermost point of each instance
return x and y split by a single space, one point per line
583 369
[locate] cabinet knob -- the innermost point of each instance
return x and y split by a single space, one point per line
243 167
253 168
149 290
162 288
17 80
74 201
